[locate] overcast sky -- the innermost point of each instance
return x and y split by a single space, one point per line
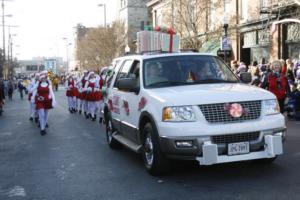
44 23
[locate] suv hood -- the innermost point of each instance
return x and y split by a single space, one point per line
209 93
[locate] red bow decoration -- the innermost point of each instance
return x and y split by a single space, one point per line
126 106
142 103
235 110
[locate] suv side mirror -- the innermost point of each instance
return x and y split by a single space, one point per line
246 77
129 84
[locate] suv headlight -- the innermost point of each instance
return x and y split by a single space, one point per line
270 107
178 114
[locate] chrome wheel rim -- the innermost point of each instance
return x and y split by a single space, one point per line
149 149
109 131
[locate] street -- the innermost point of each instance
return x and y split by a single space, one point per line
73 161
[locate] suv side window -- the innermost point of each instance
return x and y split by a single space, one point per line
129 68
124 71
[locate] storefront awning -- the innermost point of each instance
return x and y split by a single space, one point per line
211 46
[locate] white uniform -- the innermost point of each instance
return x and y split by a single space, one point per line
43 109
31 87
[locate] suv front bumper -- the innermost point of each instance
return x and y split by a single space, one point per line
268 145
273 147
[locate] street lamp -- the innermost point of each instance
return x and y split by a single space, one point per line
104 7
67 47
225 22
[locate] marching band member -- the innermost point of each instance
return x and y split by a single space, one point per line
70 93
44 99
77 93
82 95
100 102
90 88
30 89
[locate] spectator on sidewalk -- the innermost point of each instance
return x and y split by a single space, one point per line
290 71
21 88
241 69
277 83
10 89
2 96
293 107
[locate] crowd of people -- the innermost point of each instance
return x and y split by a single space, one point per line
84 94
281 77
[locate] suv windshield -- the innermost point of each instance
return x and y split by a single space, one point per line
185 70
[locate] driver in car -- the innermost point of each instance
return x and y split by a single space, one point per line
154 74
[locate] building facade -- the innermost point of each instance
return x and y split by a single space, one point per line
27 67
249 22
134 13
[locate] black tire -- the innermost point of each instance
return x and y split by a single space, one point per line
266 160
154 160
110 129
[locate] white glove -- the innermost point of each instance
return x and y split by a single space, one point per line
53 103
32 100
89 89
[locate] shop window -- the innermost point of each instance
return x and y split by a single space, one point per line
213 12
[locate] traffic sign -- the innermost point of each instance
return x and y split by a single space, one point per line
225 43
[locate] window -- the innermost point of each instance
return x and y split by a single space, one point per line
227 6
213 12
264 3
125 69
130 69
244 10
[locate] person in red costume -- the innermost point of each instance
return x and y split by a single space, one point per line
99 96
277 83
82 94
91 90
71 93
44 99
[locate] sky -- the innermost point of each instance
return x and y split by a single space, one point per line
42 24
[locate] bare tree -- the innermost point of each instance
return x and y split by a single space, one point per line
192 21
98 46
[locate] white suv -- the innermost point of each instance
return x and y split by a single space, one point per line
190 106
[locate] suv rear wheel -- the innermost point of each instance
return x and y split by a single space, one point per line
154 160
112 143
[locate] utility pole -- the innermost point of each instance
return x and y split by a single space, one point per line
3 29
3 33
104 8
3 49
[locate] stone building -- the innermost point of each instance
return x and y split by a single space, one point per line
134 13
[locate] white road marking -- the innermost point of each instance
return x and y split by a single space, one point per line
16 191
63 172
6 134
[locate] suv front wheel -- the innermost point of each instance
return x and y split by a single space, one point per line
154 160
110 129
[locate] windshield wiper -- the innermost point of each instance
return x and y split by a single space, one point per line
214 81
168 83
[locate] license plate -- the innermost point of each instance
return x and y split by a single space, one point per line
238 148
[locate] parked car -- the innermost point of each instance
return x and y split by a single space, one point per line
190 106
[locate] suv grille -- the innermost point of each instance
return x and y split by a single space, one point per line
233 138
217 113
